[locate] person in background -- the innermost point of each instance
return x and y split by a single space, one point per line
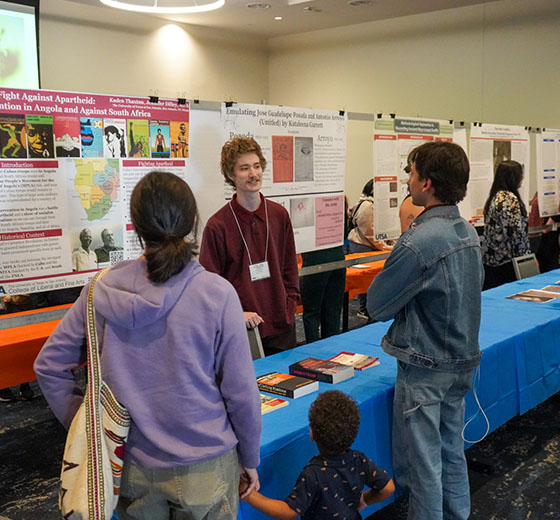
175 353
506 233
361 238
331 484
431 287
8 305
408 211
547 248
322 294
250 242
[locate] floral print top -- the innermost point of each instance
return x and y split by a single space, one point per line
506 232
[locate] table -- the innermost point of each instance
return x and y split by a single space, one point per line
520 368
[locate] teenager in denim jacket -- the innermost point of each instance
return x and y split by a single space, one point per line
431 286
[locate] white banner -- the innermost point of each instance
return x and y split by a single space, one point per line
394 139
489 146
305 151
548 172
68 163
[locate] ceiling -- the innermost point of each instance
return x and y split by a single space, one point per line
236 16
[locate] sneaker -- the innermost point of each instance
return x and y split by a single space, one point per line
363 315
25 392
7 396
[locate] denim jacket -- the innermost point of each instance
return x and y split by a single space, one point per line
431 285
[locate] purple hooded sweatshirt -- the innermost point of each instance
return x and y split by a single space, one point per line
175 354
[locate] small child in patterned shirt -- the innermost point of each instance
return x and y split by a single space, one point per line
330 486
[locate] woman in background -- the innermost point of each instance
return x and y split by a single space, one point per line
175 353
506 232
361 237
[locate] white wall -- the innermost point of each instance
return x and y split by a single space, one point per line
151 55
495 63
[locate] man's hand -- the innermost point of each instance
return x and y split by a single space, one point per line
248 482
252 319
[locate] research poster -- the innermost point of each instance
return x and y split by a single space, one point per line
68 163
548 172
305 151
393 139
490 145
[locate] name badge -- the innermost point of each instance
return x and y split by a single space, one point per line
259 271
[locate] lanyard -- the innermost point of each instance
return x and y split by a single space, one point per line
243 238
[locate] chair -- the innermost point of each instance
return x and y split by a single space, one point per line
525 266
255 343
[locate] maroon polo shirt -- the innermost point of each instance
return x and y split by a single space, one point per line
223 252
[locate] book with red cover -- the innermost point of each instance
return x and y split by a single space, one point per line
358 361
322 370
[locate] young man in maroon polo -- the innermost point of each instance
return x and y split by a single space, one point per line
250 242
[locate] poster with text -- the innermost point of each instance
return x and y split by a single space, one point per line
490 145
305 150
548 172
393 140
68 163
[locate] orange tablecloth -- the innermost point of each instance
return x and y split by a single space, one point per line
359 279
19 347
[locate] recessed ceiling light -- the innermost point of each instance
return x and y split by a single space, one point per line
258 6
278 18
165 6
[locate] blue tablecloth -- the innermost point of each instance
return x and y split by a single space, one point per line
520 368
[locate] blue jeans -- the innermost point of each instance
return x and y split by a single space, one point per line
428 452
206 490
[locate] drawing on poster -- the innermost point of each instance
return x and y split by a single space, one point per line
302 212
501 152
138 138
393 202
303 159
282 158
91 136
114 144
160 144
39 130
12 136
179 138
67 136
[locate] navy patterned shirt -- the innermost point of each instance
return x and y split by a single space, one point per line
330 487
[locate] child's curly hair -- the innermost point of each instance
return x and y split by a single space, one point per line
334 418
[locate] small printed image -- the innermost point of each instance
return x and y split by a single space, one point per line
159 139
303 152
393 202
302 212
91 136
110 242
12 136
67 136
114 144
393 186
502 152
138 138
40 136
282 158
179 138
83 255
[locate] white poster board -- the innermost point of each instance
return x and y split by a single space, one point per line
490 145
305 151
69 162
394 139
548 172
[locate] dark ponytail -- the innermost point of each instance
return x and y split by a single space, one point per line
163 212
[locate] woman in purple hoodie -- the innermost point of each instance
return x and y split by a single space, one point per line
175 353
